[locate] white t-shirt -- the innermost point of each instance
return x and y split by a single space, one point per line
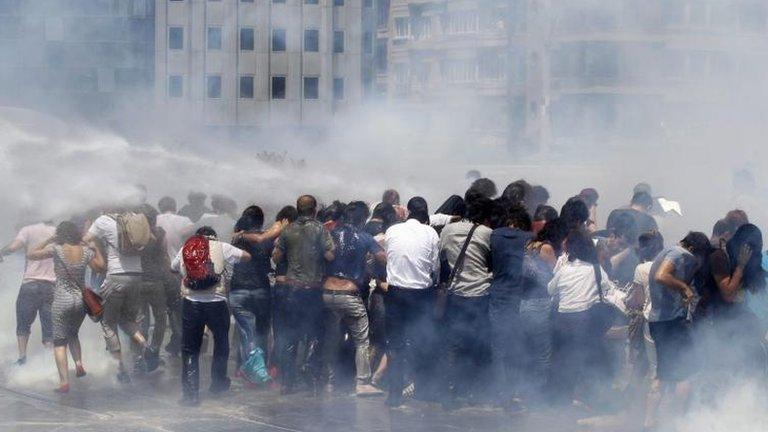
105 229
231 255
576 286
177 229
642 278
412 255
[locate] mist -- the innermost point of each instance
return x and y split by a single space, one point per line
598 93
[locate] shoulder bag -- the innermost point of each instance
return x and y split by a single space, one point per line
458 266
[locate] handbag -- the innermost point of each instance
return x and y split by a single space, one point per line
602 313
91 300
458 266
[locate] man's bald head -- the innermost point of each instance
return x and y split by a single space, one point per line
306 206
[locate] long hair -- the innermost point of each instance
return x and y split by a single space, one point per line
749 234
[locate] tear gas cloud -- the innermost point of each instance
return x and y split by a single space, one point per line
693 125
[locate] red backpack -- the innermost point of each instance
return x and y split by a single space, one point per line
200 271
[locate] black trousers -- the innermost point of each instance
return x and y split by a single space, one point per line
469 347
410 332
195 317
298 319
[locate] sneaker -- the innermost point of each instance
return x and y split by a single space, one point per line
21 361
190 401
367 390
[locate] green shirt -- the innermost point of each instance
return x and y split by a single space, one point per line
303 244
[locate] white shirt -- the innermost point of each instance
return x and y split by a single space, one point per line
642 278
177 229
576 286
412 255
231 255
105 229
439 219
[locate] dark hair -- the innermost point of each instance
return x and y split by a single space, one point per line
247 223
453 206
167 204
390 196
590 196
256 216
288 212
697 243
539 195
149 212
518 217
554 233
480 210
754 276
196 196
623 225
519 192
68 233
721 227
356 213
736 218
418 209
306 205
580 246
206 231
649 245
642 187
485 186
333 212
574 212
387 214
471 195
642 199
545 213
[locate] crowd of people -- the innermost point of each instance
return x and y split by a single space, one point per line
491 299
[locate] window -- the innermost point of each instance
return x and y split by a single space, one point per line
311 2
246 87
175 86
213 86
459 22
381 55
338 88
214 38
311 90
176 38
368 43
338 41
422 28
402 28
311 40
278 87
278 40
246 39
459 71
338 2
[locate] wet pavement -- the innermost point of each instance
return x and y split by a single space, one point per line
150 404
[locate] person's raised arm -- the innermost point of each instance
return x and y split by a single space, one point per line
42 251
270 234
11 247
728 283
665 275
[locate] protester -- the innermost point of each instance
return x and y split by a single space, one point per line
519 193
507 250
250 296
36 291
672 300
639 209
305 246
539 196
342 296
580 286
392 197
196 207
465 248
485 187
590 197
70 259
120 291
542 216
205 305
618 250
575 213
412 274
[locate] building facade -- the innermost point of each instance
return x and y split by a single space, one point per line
263 63
84 57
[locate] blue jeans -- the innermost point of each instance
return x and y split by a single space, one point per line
251 310
537 326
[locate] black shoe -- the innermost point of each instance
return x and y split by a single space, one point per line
151 359
220 386
123 378
190 401
21 361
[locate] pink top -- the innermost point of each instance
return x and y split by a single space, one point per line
31 236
